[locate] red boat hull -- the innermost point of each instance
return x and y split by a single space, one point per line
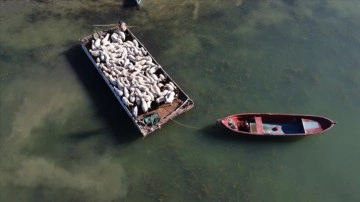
270 124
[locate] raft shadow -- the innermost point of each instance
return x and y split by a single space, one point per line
217 132
127 4
119 124
85 134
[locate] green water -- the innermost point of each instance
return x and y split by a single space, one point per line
64 137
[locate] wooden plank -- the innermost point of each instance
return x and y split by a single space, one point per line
259 125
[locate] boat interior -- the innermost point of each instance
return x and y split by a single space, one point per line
277 125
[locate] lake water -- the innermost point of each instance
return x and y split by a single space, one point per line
64 137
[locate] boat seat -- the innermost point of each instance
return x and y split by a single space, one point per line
259 125
310 126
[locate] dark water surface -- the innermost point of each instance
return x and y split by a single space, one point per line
64 137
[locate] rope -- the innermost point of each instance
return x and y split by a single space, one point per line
113 25
109 25
187 126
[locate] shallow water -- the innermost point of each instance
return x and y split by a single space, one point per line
64 137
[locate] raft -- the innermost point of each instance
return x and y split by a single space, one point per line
142 87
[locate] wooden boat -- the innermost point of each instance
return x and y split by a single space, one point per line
268 124
159 113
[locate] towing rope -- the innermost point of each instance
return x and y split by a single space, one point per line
187 126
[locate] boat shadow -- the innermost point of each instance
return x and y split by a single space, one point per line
217 132
118 123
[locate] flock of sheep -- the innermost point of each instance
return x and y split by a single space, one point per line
131 72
